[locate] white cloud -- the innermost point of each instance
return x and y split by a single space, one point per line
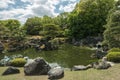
70 0
42 7
35 8
67 8
4 3
19 14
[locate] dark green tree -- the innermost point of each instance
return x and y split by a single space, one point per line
12 24
33 26
50 30
12 33
61 20
4 31
88 18
112 32
11 28
47 20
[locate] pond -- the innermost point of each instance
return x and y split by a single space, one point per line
67 55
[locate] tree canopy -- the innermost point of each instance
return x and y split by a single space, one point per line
112 32
33 26
11 28
50 30
88 18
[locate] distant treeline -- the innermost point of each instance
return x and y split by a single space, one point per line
89 18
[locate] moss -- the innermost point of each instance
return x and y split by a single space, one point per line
18 62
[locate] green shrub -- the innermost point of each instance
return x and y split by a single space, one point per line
113 56
114 50
18 62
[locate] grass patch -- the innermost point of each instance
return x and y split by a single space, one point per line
91 74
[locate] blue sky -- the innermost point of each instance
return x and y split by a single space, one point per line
23 9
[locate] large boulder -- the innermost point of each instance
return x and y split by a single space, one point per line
37 66
56 73
11 70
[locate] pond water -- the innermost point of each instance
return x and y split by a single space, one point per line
67 55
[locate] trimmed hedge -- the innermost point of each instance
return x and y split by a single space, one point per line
113 56
18 62
114 50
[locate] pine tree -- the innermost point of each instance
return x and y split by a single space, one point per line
112 32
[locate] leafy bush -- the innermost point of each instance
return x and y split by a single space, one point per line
50 30
114 50
18 62
113 56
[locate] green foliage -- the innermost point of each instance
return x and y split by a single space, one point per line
12 24
3 29
66 32
61 20
37 26
19 34
112 32
88 18
18 62
114 56
47 20
114 50
50 30
33 26
11 28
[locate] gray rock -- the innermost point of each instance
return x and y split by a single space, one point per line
56 73
37 66
11 70
103 64
53 65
